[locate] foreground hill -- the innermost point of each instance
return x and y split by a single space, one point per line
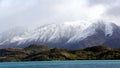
67 36
43 53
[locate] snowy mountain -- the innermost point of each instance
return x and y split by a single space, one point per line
69 36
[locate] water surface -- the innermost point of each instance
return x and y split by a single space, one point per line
63 64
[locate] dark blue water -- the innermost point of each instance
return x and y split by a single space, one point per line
64 64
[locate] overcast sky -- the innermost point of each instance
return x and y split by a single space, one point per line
33 13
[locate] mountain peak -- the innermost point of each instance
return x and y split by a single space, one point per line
61 35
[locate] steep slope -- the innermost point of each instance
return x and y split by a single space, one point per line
103 34
53 35
69 36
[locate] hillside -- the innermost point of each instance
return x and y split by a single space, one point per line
67 36
43 53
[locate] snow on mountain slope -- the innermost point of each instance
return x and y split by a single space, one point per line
104 26
54 35
47 33
12 34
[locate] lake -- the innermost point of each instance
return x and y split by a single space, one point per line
63 64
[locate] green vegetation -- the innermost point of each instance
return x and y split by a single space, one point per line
43 53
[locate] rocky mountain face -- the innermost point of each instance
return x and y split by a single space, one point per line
68 36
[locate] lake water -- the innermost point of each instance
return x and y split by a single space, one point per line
63 64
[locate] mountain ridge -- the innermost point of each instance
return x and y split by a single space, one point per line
66 36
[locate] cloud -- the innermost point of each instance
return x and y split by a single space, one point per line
103 2
112 9
12 12
33 13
